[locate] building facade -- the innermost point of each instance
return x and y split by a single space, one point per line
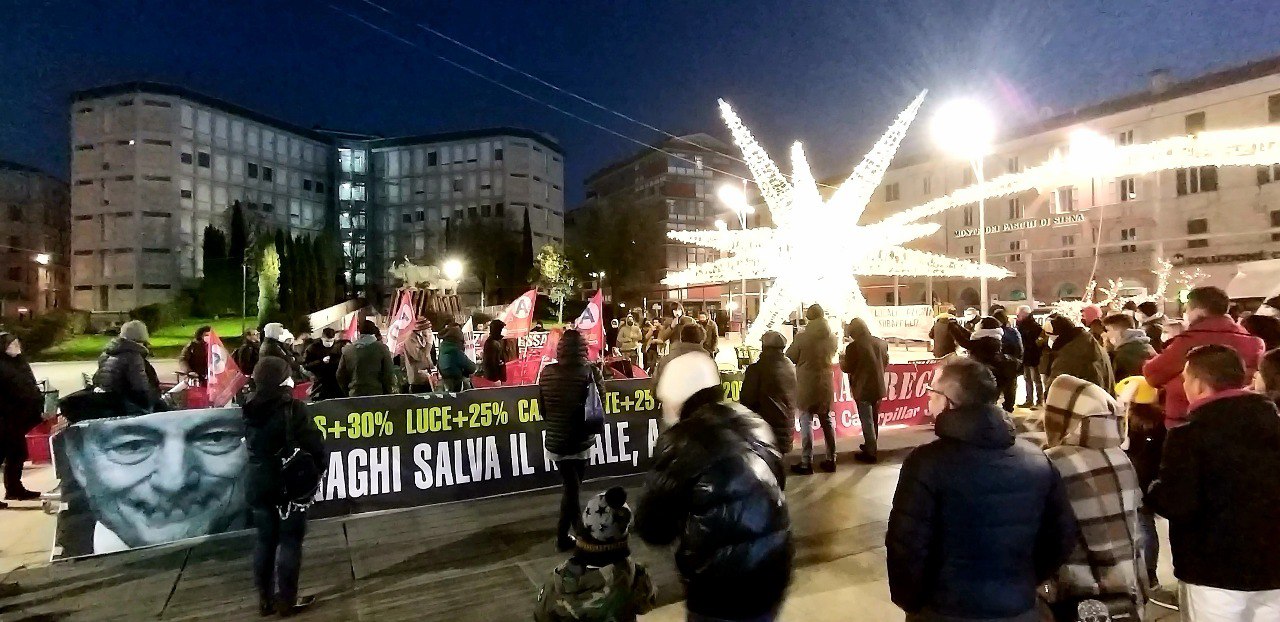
153 165
673 187
34 248
1209 217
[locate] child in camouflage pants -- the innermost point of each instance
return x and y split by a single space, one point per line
599 582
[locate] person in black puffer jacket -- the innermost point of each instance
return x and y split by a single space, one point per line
24 405
716 487
986 345
980 517
493 357
277 554
123 369
769 389
563 388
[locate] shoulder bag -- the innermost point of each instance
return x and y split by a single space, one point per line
593 414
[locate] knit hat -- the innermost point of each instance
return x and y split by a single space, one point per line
773 339
1090 313
682 377
274 330
270 372
135 330
606 519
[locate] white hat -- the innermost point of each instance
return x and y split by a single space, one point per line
274 330
681 378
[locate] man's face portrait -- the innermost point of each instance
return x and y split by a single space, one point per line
164 476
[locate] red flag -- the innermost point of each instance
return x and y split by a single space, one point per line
353 327
591 325
519 315
401 324
225 378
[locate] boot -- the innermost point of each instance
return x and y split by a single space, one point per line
286 610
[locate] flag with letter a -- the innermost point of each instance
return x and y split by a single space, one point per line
225 377
591 325
519 315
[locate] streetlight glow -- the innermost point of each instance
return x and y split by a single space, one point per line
43 259
452 269
964 128
720 224
732 196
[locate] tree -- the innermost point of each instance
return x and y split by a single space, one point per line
526 245
627 241
326 270
268 284
287 293
491 251
307 275
555 273
220 285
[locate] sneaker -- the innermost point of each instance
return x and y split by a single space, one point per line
1027 406
22 495
802 469
302 603
828 466
865 458
1166 597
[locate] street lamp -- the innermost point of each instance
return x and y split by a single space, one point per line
965 129
43 259
452 269
736 200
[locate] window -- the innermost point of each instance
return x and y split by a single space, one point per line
202 159
1194 123
473 212
486 210
156 103
1014 166
1128 189
433 158
267 173
1197 179
1124 138
1015 208
1064 200
968 215
1275 224
185 158
1197 226
1127 235
15 213
124 177
406 218
157 142
251 170
84 147
156 178
1015 245
457 184
891 192
1268 174
319 187
1068 241
185 193
486 180
499 209
497 154
306 185
1273 109
125 102
968 250
268 207
84 182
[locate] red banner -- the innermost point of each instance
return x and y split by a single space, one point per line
225 378
519 315
402 322
591 325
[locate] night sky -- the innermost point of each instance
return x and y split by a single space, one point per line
831 74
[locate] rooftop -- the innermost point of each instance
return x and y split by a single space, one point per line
713 144
6 165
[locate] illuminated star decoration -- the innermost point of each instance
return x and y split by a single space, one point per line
817 249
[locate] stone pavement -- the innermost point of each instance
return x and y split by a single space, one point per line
480 560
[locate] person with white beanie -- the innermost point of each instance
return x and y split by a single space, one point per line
716 486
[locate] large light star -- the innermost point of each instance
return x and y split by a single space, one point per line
817 249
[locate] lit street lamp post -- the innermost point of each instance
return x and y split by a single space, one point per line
965 129
736 200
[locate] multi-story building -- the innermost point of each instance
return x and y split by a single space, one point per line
153 165
34 259
674 186
1209 217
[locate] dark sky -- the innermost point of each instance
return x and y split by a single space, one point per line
831 74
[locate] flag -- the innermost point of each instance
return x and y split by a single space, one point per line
519 315
468 337
401 324
225 377
591 325
353 327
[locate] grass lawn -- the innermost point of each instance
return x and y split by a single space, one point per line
165 343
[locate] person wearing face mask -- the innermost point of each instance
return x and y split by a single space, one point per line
24 404
611 335
711 332
321 360
1207 323
419 358
629 338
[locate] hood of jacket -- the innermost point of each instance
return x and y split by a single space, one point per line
819 326
120 345
1082 414
364 341
1133 335
266 403
982 425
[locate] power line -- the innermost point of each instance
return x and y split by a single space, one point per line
525 95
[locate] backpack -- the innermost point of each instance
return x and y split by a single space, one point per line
301 473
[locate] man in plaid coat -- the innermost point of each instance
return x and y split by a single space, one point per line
1082 426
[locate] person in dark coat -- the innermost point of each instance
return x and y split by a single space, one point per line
1266 381
769 389
1151 320
493 358
563 388
943 344
980 517
365 367
1011 347
812 352
273 344
277 552
1030 331
246 356
23 410
454 364
1130 346
194 359
321 361
986 345
864 361
716 486
1075 352
1264 327
123 368
1218 487
711 331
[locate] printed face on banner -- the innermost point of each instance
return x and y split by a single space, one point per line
162 477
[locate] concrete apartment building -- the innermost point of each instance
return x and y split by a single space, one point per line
153 165
34 257
676 183
1209 217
